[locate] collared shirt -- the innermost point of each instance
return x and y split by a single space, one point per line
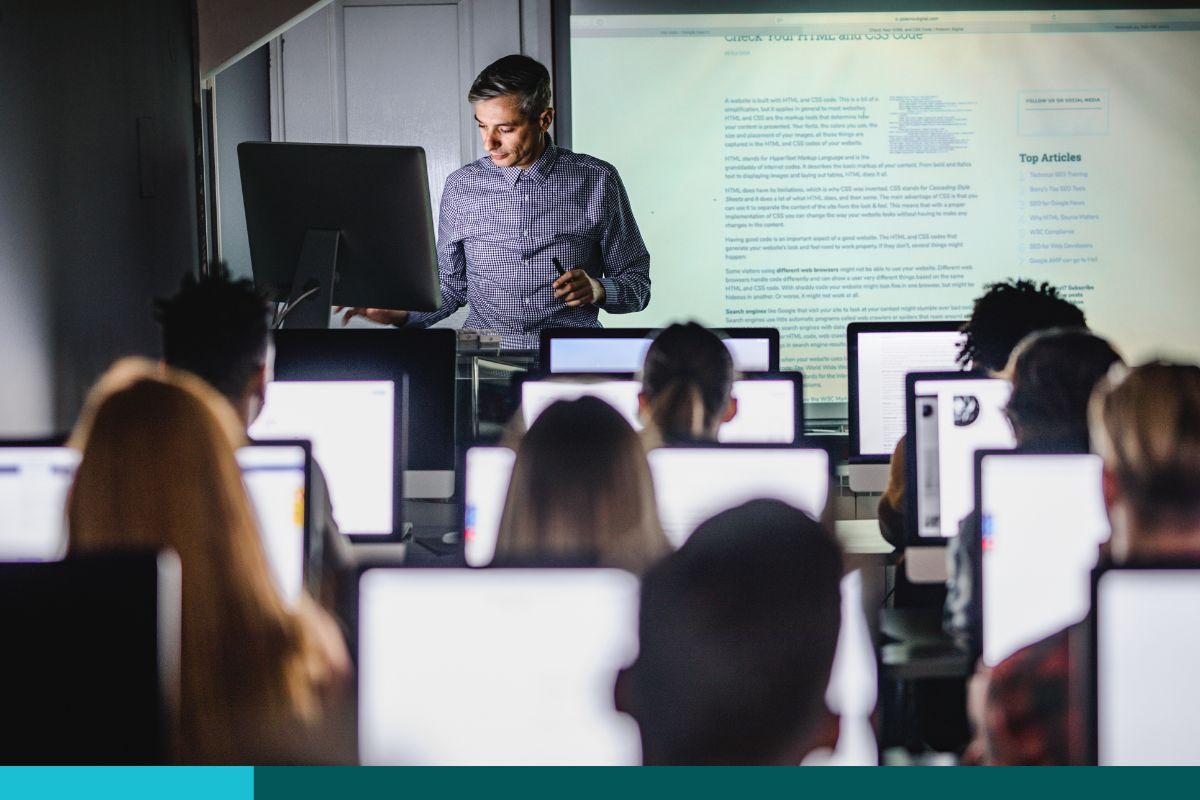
499 228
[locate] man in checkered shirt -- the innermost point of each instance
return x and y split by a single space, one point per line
506 217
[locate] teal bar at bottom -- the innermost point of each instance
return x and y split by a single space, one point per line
127 783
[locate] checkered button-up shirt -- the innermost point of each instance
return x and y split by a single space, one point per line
499 228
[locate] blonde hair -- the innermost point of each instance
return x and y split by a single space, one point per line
581 492
159 472
1145 424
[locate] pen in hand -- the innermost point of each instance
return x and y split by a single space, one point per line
558 266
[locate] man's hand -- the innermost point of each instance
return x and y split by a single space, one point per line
576 288
384 316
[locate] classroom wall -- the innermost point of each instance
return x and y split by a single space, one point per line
243 114
97 192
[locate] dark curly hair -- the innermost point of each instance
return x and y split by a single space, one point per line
216 327
1006 313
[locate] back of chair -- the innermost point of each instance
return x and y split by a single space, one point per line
90 659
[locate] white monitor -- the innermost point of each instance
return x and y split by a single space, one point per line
951 417
352 429
526 660
1146 657
767 407
488 470
276 478
1043 521
34 481
692 484
609 353
881 360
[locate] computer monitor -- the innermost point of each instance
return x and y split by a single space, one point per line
276 474
353 221
950 415
878 357
525 659
692 484
486 474
92 655
34 480
1145 648
426 357
356 430
624 349
1043 520
770 404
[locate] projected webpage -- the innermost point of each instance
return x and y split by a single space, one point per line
802 171
352 429
1148 646
693 484
527 659
954 419
1043 523
766 408
274 478
34 482
611 354
884 360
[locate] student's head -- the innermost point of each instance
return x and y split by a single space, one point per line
687 378
1005 314
581 492
1146 426
737 631
219 328
1053 375
158 472
511 98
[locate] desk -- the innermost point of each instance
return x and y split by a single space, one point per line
861 537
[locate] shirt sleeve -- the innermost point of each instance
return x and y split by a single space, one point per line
452 263
626 278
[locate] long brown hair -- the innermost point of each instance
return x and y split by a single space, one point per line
581 492
1145 423
159 472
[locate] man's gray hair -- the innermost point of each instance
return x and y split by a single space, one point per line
518 76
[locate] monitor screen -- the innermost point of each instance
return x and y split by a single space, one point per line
692 484
1043 521
614 354
352 429
951 418
488 470
1147 649
882 359
275 478
526 661
767 409
34 482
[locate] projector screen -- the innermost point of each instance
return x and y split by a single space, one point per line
806 170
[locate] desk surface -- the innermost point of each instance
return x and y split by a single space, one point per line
861 537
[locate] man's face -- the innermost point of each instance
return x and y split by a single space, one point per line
511 138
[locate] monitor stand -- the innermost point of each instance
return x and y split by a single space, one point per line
312 287
868 478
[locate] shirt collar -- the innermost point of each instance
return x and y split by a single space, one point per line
538 171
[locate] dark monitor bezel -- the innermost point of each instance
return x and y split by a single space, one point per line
852 332
310 579
548 335
911 537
